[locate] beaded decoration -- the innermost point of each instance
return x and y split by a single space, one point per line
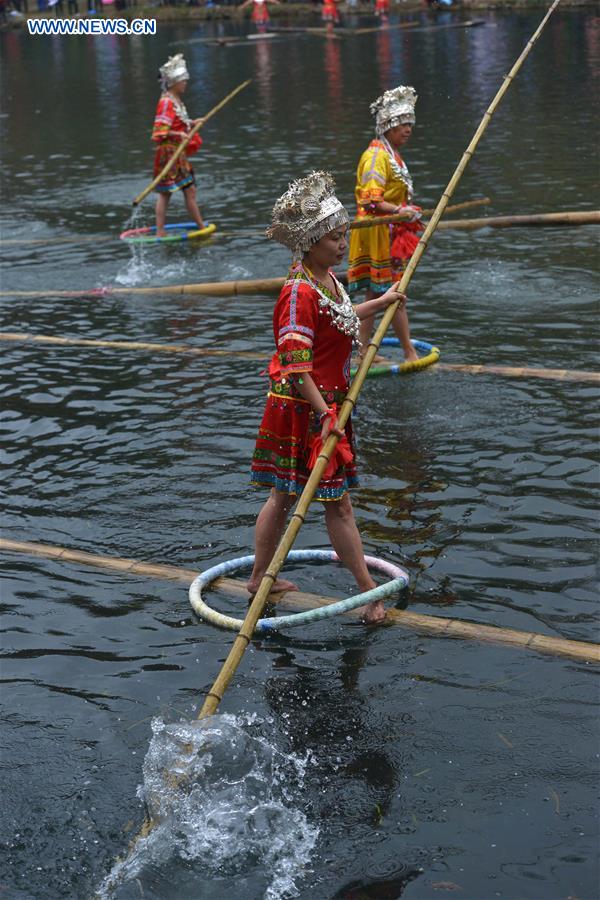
343 315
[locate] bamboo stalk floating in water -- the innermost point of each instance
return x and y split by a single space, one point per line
416 25
588 217
111 237
406 216
209 289
419 622
270 286
507 371
557 219
185 142
215 694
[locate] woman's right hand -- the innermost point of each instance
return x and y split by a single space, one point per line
392 295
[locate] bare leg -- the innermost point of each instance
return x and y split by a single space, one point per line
269 528
162 201
346 542
366 332
402 332
189 195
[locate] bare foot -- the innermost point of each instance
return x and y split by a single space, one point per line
161 232
278 586
201 226
374 613
377 360
411 356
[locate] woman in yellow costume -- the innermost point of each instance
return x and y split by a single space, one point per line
379 255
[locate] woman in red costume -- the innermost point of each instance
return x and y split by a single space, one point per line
171 126
260 12
330 13
382 9
315 326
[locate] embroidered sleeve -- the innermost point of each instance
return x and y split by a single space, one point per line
295 322
372 175
163 120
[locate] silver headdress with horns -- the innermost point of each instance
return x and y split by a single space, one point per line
174 70
306 212
395 107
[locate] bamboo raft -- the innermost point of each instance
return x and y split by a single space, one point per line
436 626
506 371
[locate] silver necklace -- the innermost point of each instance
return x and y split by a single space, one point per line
343 316
180 109
400 171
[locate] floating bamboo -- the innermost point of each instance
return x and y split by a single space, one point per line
585 651
405 216
588 217
208 288
269 286
506 371
100 238
557 219
185 142
215 694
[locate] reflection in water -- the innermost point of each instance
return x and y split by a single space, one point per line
312 710
263 75
382 889
333 70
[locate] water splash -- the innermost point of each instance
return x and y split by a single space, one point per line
223 797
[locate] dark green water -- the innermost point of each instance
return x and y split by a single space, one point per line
435 765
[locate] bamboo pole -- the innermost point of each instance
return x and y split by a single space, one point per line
588 217
185 142
557 219
507 371
585 651
406 216
210 289
215 694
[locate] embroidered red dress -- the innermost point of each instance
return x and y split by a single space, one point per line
173 117
329 12
260 13
307 342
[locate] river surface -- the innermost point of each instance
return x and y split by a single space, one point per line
383 762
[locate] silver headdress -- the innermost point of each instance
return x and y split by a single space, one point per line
306 212
395 107
174 70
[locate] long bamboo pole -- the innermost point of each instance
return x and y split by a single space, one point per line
557 219
100 238
406 216
466 368
184 143
215 694
269 286
586 651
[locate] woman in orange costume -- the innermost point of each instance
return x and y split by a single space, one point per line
172 125
379 255
315 326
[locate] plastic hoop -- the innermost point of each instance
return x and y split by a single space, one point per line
181 231
263 626
431 356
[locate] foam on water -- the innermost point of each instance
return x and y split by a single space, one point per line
222 795
147 266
